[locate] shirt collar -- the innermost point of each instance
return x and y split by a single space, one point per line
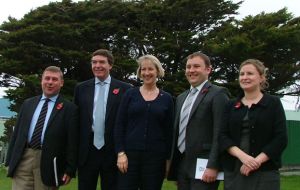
53 98
106 81
200 86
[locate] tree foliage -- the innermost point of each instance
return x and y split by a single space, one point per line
273 38
8 129
66 33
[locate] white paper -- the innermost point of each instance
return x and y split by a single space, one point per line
200 168
55 171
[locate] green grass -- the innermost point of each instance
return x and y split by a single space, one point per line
287 183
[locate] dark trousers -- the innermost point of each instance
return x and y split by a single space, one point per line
99 163
146 171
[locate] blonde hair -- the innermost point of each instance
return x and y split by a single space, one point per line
260 67
154 61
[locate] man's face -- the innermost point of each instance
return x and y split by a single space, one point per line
196 71
51 83
100 67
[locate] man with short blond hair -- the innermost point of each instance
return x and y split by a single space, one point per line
43 152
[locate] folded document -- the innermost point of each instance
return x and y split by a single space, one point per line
200 168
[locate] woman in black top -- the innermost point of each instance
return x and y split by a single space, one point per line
143 131
253 135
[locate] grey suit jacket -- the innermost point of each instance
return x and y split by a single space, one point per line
202 129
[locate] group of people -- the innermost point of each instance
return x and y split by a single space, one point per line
134 137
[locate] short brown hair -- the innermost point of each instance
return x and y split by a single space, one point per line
54 69
106 53
201 55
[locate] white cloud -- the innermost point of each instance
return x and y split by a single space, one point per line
254 7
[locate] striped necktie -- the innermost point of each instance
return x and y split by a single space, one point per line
35 142
184 117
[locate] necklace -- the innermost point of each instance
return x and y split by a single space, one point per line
149 92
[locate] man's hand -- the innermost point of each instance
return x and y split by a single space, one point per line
122 163
209 175
66 179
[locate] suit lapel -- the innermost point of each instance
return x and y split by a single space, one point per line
180 103
90 91
200 97
110 98
57 107
31 111
180 100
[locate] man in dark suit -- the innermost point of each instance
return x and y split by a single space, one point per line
98 100
42 153
197 120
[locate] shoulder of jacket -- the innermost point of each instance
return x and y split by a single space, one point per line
32 98
121 83
85 83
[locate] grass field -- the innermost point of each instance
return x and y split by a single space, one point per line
287 183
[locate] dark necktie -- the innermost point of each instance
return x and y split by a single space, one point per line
35 142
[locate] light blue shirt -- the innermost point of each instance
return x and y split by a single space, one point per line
36 114
107 82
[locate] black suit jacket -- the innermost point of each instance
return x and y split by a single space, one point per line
268 132
60 139
202 129
84 98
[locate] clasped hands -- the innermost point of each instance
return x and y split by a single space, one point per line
249 164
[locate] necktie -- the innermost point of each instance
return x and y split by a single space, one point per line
99 123
35 142
184 119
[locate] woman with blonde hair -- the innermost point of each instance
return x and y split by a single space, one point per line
143 131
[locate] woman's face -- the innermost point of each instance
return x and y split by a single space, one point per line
249 78
148 72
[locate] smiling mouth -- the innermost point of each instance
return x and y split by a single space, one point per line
192 76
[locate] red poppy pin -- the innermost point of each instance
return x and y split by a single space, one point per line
59 106
116 91
204 90
238 105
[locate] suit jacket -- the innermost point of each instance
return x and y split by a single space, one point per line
202 129
268 132
60 139
84 98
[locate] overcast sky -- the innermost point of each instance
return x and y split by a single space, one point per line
17 9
